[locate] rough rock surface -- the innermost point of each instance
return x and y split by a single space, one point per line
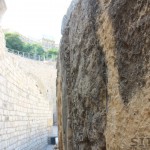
103 80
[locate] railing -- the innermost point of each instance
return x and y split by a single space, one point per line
33 56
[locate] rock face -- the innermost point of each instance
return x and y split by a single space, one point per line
103 80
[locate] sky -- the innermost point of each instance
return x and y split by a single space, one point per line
36 18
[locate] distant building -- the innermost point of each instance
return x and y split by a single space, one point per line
27 39
47 44
56 45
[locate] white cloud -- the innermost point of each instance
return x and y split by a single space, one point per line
36 18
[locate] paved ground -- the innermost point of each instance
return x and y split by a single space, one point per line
50 147
53 133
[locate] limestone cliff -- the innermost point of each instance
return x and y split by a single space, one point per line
103 80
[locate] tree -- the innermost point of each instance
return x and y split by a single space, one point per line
53 51
14 42
27 47
33 48
37 49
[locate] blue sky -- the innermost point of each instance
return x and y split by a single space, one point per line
36 18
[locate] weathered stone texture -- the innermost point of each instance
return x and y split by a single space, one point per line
103 75
27 94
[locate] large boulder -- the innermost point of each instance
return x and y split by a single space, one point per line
103 78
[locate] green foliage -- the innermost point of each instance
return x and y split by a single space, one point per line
27 47
53 51
37 49
34 48
13 41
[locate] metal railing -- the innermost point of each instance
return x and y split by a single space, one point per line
33 56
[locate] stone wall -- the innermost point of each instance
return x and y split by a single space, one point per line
103 76
27 95
2 9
